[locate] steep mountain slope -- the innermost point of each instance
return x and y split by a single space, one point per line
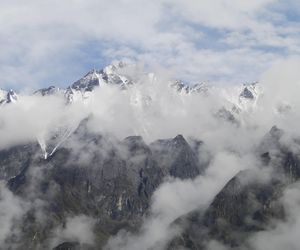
247 204
109 180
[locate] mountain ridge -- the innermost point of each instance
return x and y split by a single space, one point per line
114 75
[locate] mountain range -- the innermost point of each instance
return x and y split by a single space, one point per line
81 189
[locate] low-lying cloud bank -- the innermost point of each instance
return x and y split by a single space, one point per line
153 110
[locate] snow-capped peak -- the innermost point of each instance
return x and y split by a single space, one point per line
250 91
122 75
113 68
182 87
47 91
88 82
7 96
80 90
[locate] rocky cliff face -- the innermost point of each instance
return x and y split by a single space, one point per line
247 204
93 175
113 181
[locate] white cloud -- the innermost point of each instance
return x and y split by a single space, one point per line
285 234
51 40
78 228
151 104
12 208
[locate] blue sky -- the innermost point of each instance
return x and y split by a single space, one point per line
54 42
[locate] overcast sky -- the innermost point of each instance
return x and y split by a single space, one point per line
54 42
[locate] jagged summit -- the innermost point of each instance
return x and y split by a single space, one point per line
246 93
122 74
7 96
51 90
186 88
110 75
88 82
250 91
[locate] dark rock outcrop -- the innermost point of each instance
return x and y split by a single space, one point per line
246 93
248 203
68 246
106 179
177 158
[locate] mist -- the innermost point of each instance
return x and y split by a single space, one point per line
152 109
